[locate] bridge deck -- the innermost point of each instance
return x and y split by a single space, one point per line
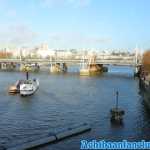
123 61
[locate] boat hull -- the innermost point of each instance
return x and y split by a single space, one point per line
29 89
27 93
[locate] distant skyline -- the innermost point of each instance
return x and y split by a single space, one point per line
99 24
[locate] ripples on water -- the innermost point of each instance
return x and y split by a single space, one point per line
65 100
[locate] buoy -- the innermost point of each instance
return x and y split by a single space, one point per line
53 137
117 113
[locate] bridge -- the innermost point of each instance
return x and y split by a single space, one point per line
105 60
59 64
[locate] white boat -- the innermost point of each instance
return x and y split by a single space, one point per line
29 87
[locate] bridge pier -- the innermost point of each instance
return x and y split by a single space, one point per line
64 67
89 66
29 67
58 68
93 69
7 66
3 66
24 68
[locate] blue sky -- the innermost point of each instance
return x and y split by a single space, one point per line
101 24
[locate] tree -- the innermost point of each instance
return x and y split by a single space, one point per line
146 61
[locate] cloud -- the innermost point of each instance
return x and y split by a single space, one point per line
75 40
76 3
17 35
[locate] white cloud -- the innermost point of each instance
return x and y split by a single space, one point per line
77 40
17 35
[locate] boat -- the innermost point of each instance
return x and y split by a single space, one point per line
14 89
29 87
117 113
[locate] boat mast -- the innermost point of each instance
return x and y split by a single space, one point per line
27 75
117 94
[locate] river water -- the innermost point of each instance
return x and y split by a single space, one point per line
66 100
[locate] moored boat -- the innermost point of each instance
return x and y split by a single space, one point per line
14 89
29 87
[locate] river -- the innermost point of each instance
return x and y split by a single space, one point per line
66 100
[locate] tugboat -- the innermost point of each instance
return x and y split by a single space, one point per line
28 86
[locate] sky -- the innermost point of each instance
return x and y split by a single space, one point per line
83 24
